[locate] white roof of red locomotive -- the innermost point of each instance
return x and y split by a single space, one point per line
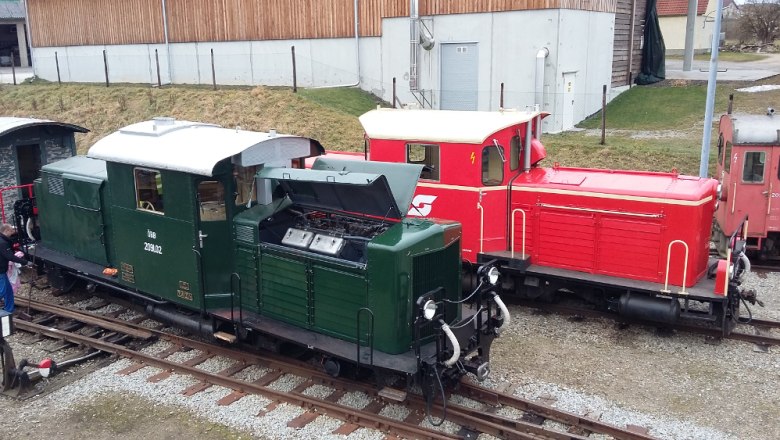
636 185
755 129
195 147
459 127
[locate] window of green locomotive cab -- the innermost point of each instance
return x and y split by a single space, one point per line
148 190
753 167
211 201
426 155
492 165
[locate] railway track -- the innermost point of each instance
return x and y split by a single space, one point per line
530 420
761 335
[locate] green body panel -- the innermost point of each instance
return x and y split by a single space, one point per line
398 278
326 294
74 188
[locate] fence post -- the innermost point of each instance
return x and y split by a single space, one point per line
213 71
157 61
603 113
13 67
57 62
394 95
105 64
295 77
501 100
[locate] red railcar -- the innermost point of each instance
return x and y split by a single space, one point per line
748 170
633 242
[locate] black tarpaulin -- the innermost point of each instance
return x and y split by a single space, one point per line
653 68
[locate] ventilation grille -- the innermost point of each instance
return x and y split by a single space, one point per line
245 234
55 185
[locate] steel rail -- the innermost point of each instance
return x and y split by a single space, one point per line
710 332
473 419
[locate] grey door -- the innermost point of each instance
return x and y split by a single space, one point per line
459 62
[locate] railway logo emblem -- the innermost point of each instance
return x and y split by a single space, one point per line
421 205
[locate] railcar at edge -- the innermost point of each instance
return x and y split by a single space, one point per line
634 243
215 231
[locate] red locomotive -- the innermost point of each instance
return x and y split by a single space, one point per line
636 243
748 154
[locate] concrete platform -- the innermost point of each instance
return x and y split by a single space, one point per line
22 73
727 71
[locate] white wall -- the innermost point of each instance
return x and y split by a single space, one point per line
578 41
673 31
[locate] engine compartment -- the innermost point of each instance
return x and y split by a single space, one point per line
323 233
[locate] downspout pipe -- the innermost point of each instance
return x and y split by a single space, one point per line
539 85
357 53
167 41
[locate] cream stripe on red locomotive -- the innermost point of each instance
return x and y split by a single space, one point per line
568 192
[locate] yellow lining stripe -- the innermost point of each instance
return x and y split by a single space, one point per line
570 192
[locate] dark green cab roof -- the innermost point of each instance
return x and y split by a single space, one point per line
78 166
372 188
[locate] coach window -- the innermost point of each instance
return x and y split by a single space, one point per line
426 155
148 190
753 169
211 201
515 153
492 165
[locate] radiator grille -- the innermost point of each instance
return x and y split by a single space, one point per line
55 185
245 234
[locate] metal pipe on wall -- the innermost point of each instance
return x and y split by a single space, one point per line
414 48
167 42
539 84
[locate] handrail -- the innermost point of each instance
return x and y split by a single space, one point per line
685 267
236 276
29 188
513 232
734 198
769 199
601 211
481 225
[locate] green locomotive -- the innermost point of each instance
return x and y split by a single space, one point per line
221 231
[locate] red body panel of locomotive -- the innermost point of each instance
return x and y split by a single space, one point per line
616 223
747 167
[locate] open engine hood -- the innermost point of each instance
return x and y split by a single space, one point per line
375 189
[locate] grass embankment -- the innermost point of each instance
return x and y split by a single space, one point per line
654 128
326 115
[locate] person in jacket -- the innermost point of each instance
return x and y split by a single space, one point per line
7 255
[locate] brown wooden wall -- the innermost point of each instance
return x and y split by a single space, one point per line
90 22
622 72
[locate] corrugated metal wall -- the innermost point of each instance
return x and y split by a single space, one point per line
622 50
91 22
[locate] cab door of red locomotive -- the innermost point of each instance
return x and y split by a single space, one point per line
753 190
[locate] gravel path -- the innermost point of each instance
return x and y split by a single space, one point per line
678 386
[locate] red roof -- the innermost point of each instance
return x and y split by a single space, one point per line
680 7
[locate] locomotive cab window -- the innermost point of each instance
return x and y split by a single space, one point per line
753 169
492 165
244 181
148 190
727 157
211 201
426 155
515 152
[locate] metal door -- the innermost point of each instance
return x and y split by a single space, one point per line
752 188
568 99
459 74
213 237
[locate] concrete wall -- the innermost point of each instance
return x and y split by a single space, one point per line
673 30
579 44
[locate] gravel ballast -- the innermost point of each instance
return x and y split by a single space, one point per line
678 386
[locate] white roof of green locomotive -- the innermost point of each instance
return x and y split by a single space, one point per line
195 147
9 124
756 129
460 127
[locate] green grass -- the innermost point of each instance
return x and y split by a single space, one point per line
349 100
